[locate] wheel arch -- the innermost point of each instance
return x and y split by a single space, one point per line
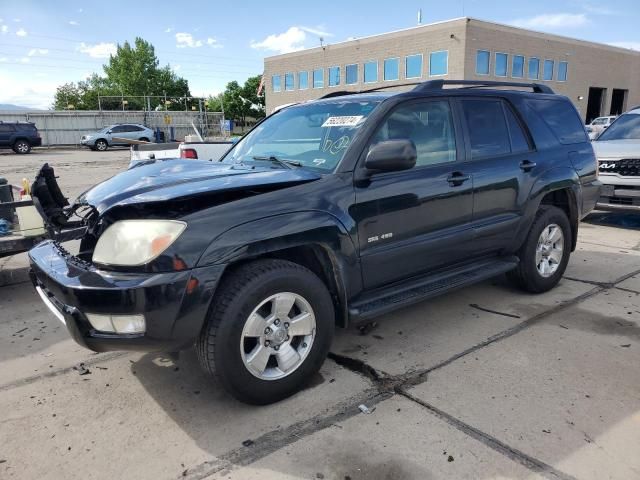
315 240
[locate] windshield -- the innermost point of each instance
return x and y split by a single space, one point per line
626 127
313 135
105 129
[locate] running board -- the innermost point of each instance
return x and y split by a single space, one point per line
384 300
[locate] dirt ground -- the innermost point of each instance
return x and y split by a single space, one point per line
486 382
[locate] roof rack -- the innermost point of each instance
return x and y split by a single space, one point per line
341 93
439 84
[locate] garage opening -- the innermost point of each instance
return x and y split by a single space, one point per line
594 104
618 101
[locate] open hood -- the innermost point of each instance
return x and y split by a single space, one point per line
179 179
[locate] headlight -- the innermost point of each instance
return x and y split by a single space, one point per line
136 242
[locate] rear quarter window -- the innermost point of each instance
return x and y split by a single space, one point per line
561 117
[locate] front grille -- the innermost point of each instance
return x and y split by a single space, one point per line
627 167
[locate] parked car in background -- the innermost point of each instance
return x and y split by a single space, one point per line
19 136
618 153
117 135
599 125
328 213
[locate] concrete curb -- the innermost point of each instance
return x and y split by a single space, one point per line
14 276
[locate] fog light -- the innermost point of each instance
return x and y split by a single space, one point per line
128 323
117 323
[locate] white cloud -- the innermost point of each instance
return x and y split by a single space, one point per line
553 20
99 50
73 22
21 33
176 68
29 92
319 31
4 29
184 40
37 51
631 45
213 42
168 30
289 41
3 59
25 60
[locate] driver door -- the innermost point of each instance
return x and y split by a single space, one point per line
413 221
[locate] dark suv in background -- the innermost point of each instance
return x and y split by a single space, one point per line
19 136
327 213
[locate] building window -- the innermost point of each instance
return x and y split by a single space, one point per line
482 62
391 69
334 76
517 66
501 64
303 80
351 74
547 72
413 66
438 63
289 83
371 72
318 78
276 83
534 68
562 71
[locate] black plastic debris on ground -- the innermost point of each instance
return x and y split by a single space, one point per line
247 443
82 370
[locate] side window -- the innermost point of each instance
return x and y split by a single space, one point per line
487 127
519 142
562 119
135 128
6 128
429 125
118 129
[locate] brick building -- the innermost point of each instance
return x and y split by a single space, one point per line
600 79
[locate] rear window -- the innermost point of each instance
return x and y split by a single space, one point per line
562 119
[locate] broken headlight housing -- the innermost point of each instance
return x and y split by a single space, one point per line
136 242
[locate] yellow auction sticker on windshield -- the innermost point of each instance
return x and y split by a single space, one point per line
344 121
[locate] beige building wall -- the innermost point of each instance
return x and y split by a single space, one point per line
589 64
423 40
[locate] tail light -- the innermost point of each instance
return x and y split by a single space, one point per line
188 153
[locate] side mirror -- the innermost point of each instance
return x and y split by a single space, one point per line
391 156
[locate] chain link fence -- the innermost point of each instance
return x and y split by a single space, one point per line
66 127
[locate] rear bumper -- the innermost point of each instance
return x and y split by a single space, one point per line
590 195
36 142
174 304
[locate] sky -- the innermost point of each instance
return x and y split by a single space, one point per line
46 43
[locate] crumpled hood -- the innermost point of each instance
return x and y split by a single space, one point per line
169 180
617 148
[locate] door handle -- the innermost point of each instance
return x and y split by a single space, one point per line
527 165
456 179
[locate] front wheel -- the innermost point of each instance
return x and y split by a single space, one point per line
22 146
269 330
545 253
101 145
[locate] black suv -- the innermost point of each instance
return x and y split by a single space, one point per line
326 213
19 136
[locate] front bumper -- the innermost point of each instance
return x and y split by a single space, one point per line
174 304
88 142
619 197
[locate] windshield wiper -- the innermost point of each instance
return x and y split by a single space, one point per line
280 161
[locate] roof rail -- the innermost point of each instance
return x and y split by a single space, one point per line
439 84
341 93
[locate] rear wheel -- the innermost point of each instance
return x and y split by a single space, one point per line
101 145
22 147
269 330
545 253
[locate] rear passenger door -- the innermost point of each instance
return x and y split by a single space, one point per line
413 221
502 162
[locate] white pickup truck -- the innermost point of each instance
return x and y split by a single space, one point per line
158 151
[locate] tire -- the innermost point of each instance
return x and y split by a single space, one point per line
144 139
101 145
530 275
225 351
22 147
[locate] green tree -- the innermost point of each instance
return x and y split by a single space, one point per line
240 102
133 71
